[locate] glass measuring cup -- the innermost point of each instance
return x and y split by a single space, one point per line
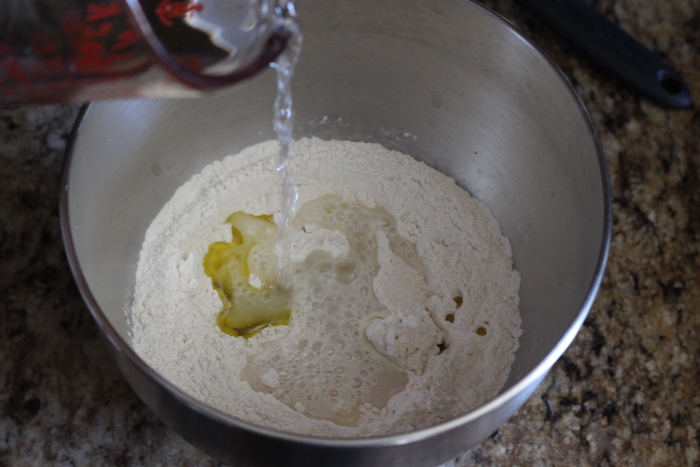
79 50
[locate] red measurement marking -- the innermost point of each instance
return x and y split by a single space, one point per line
100 12
191 63
72 26
94 44
95 32
92 60
168 10
102 42
125 39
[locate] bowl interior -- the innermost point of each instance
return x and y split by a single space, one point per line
447 82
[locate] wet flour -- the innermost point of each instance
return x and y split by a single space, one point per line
442 325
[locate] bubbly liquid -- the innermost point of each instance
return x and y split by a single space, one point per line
332 372
283 121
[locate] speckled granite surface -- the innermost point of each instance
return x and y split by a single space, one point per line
627 392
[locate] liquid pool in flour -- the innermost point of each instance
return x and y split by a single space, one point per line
404 310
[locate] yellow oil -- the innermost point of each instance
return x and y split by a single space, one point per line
247 308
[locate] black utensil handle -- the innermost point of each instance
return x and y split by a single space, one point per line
613 49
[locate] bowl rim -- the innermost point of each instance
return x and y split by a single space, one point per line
532 378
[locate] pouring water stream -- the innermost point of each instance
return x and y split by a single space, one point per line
283 121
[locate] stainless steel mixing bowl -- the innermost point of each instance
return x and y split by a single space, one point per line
445 81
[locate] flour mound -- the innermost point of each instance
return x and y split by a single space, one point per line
408 266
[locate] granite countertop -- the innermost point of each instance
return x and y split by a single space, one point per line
627 391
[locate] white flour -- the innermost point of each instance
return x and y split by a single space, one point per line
461 293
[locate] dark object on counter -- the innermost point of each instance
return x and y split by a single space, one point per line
613 49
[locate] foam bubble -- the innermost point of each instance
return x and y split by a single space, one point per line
334 298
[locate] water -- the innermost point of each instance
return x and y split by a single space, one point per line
325 368
283 121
